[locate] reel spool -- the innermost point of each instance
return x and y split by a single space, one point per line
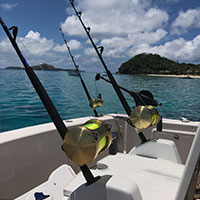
144 116
82 144
96 102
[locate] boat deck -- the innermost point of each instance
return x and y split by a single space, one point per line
154 177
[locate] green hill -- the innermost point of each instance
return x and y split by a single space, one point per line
155 64
44 67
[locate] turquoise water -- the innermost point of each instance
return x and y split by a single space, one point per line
20 106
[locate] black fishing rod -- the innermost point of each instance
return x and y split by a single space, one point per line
99 51
62 129
143 97
79 74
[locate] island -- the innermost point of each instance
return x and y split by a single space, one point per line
43 67
155 64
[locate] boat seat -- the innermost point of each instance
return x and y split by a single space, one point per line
161 148
138 177
53 187
156 178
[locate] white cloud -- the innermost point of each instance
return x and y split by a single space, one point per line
124 28
7 55
118 25
32 41
109 18
74 44
179 49
37 45
90 52
8 6
77 56
60 48
72 26
35 48
5 46
119 46
185 20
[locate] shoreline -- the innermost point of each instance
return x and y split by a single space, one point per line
175 76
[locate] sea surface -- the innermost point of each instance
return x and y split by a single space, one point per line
21 107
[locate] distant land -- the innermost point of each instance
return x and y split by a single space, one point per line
44 66
155 64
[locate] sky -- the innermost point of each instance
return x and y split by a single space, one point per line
170 28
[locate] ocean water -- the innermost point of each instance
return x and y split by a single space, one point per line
21 107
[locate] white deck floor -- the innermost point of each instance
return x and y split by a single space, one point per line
156 178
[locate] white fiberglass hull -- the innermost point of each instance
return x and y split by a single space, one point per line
29 155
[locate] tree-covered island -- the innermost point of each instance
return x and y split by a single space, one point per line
155 64
44 66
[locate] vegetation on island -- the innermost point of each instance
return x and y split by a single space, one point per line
155 64
43 67
14 67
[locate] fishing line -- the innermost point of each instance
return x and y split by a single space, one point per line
58 84
144 97
28 53
57 120
91 87
99 51
92 102
73 98
95 89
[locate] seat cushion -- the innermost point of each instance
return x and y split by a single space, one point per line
156 178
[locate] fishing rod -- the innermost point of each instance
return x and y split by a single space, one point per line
79 74
62 129
99 51
58 122
143 97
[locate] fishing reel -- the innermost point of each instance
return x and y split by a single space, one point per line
144 97
144 116
98 102
82 144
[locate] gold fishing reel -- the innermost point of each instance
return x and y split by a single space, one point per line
94 103
144 116
82 144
